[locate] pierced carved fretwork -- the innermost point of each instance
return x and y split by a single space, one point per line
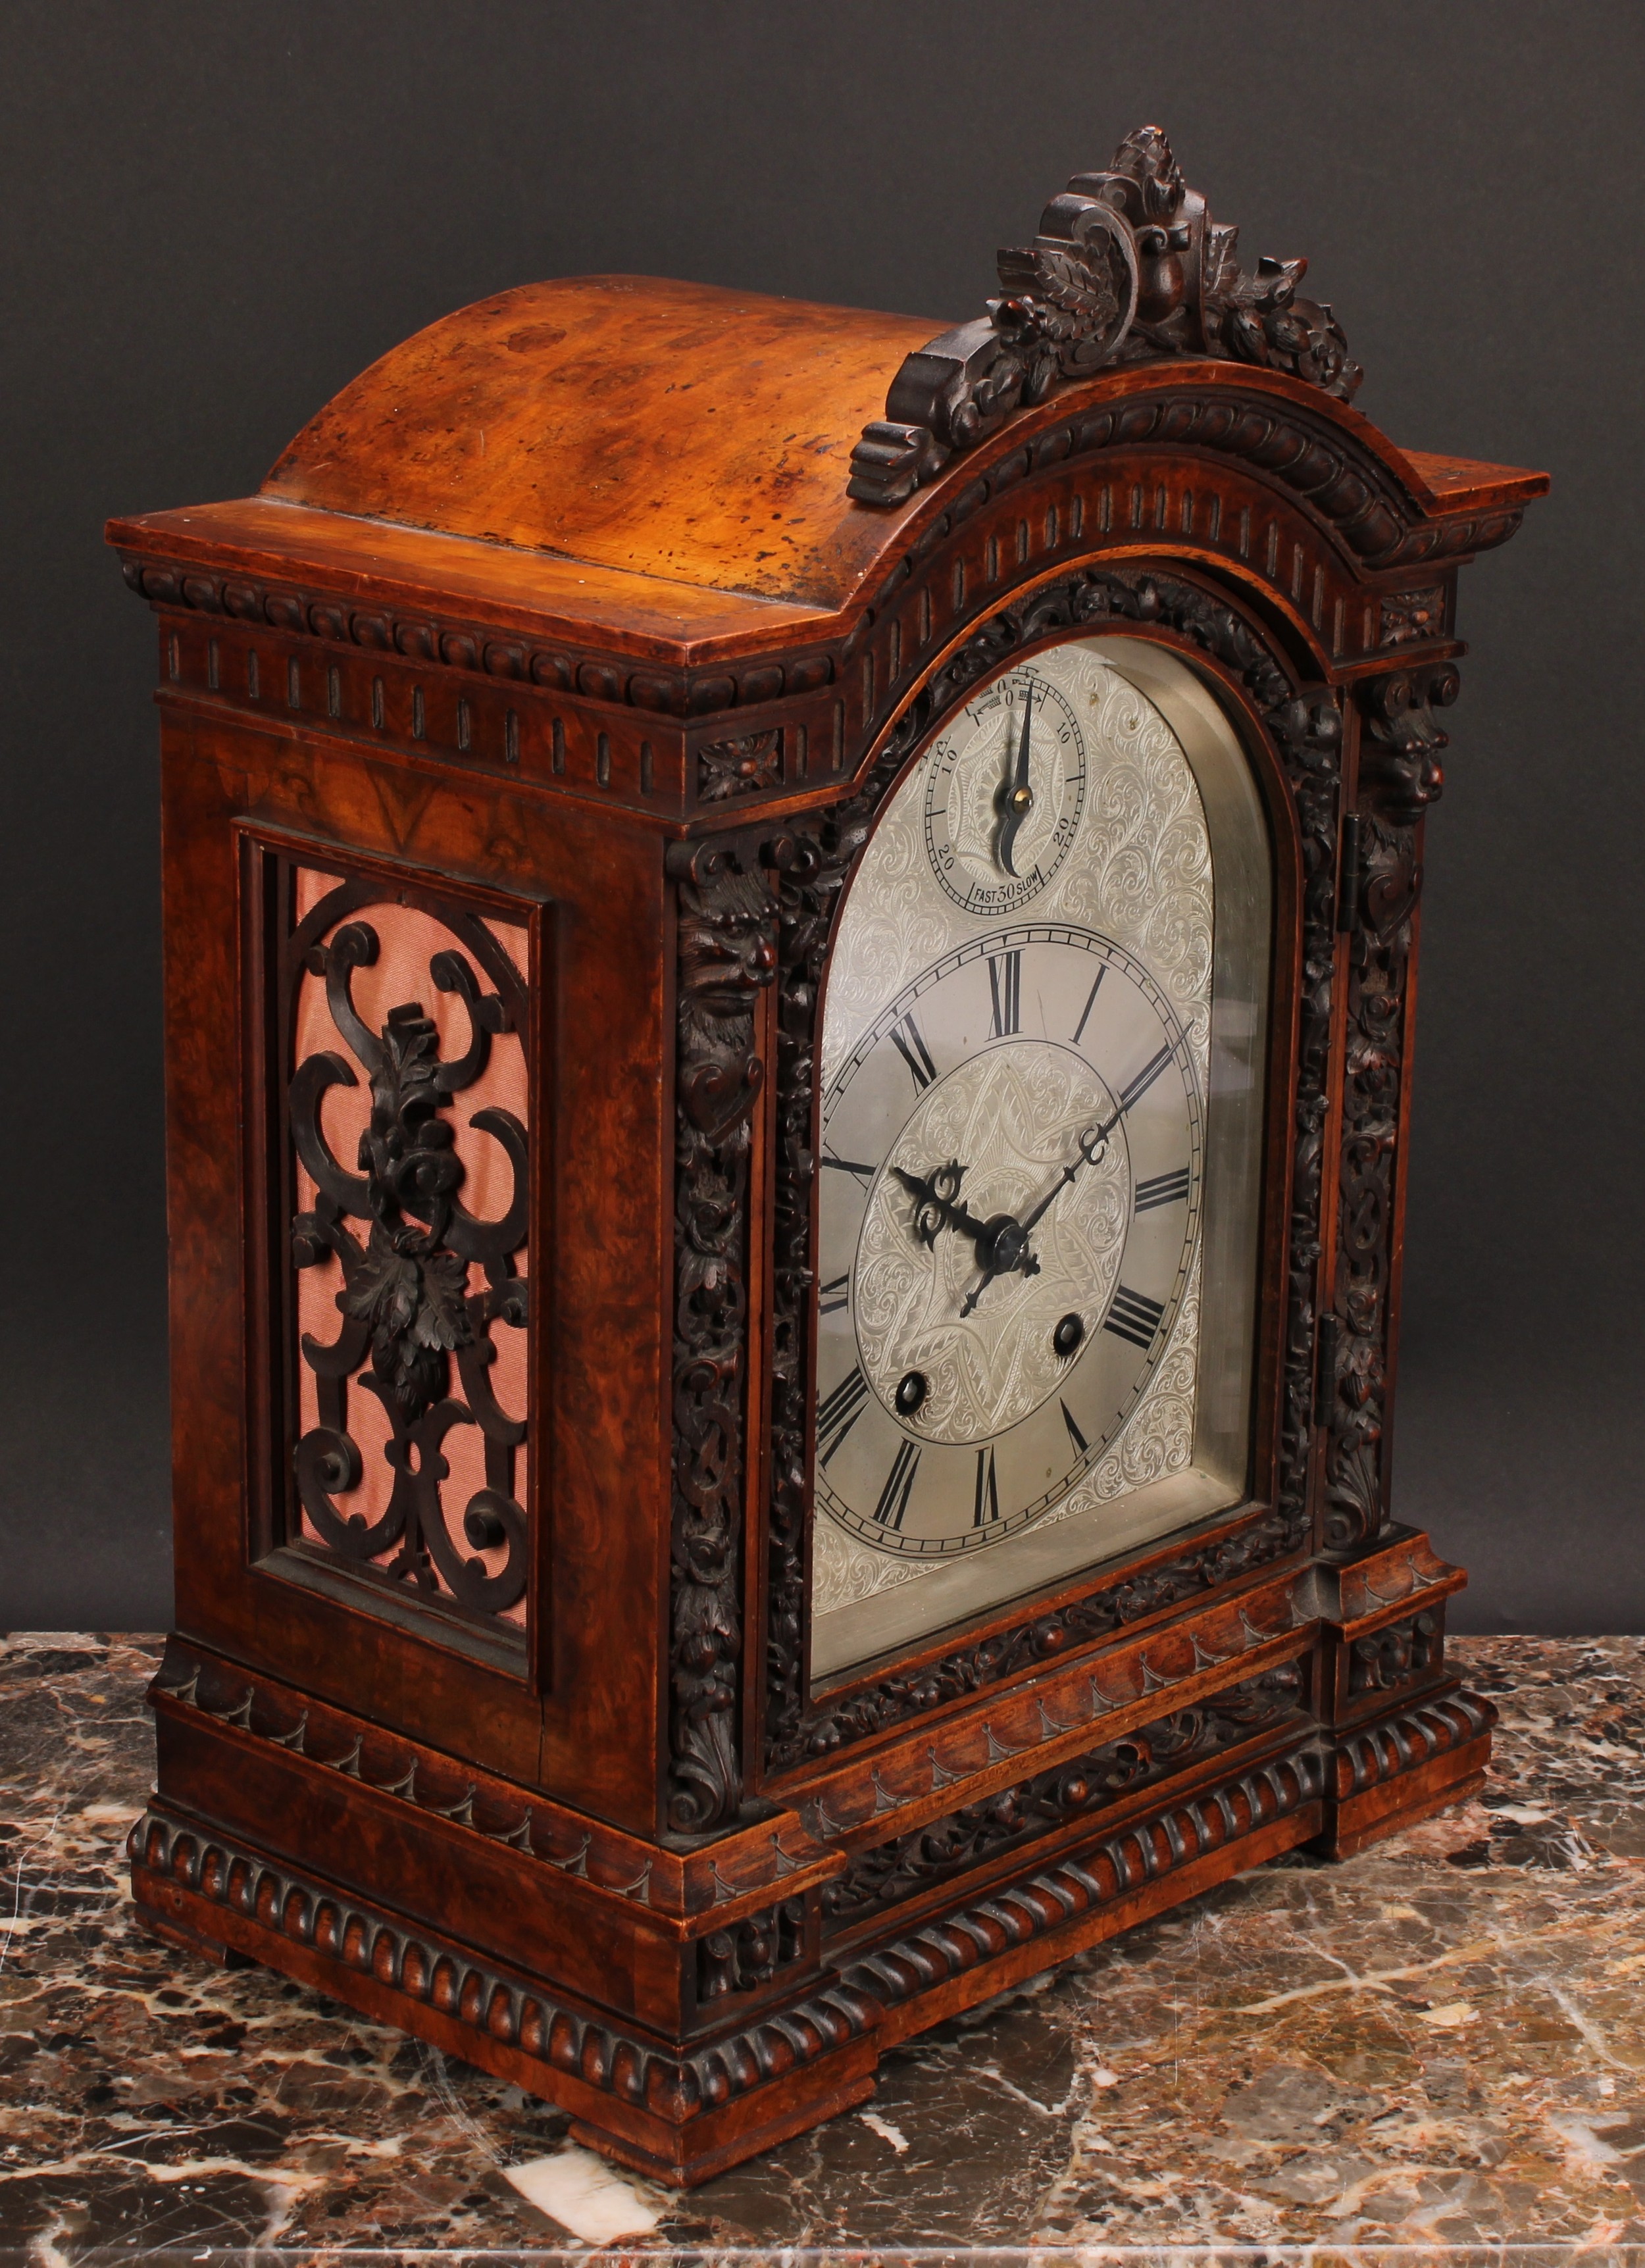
1306 730
1127 268
727 955
410 1305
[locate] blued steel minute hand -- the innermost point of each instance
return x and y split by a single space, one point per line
1093 1142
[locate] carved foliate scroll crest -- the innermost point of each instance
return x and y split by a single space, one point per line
1127 268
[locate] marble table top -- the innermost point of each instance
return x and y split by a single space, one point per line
1436 2052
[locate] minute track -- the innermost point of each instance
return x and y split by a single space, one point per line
993 1029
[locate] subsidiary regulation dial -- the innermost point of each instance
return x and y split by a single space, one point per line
1005 794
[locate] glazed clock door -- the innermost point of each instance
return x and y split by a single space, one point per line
1042 1067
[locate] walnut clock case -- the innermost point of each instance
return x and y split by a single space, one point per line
790 955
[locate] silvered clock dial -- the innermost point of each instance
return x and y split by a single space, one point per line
1039 1160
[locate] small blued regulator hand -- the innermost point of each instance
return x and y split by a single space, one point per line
1017 794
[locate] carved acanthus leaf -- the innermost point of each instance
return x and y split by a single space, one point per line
1399 778
727 955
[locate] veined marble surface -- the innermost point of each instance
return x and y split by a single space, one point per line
1434 2052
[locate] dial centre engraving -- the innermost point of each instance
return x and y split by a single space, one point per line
1014 1115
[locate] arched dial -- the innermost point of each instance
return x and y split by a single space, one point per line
1011 1179
1005 790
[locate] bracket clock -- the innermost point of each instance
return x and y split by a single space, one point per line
790 959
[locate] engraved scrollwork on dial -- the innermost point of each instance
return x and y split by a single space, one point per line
1306 732
1012 1158
1015 1114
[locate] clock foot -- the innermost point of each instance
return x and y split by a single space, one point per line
1403 1767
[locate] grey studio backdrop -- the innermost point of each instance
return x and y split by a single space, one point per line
216 214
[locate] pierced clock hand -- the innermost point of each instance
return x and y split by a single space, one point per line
1017 794
1093 1142
1007 1248
934 1206
1001 1242
1001 1250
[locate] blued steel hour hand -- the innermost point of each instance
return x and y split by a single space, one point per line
935 1206
1016 795
1001 1243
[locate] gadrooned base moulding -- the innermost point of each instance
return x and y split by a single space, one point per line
748 1985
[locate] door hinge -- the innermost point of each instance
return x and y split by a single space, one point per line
1329 1339
1348 871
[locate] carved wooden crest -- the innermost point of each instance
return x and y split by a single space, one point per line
1127 268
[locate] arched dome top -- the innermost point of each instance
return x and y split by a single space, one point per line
666 464
666 428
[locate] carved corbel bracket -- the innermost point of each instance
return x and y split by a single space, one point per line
1399 765
1127 268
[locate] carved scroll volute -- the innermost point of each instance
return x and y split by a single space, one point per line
1400 777
726 957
